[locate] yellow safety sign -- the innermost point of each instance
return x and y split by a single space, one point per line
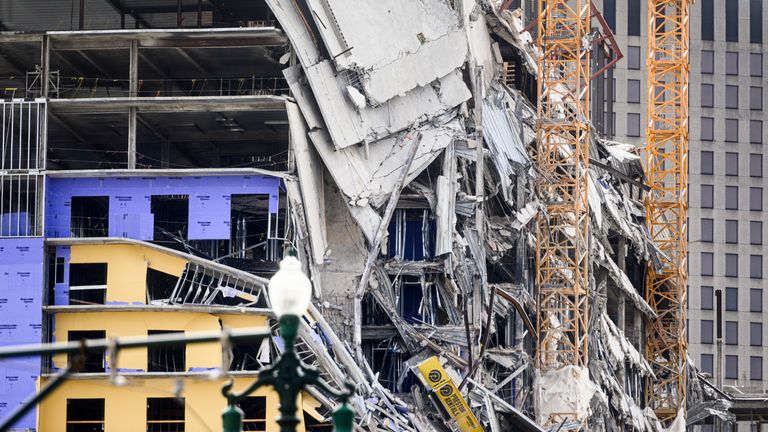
449 395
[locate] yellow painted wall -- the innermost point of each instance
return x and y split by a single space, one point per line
138 323
126 409
127 267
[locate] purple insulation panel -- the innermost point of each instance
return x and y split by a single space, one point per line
130 202
15 224
21 292
61 284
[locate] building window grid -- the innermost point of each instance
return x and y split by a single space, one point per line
755 368
731 197
731 164
731 367
731 21
731 299
633 57
756 199
756 131
755 334
755 232
707 329
755 165
731 231
707 163
731 63
755 64
756 266
755 299
707 95
755 98
707 259
731 130
732 96
756 21
707 196
707 129
707 62
731 332
707 297
707 230
731 265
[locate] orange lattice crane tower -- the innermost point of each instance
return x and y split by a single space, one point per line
667 203
563 159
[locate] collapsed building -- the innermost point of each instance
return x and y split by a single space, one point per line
401 162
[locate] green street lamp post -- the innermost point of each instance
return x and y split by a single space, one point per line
290 293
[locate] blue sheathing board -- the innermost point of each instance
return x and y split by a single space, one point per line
21 292
15 224
61 289
130 201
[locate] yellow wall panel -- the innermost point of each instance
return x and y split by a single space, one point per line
126 409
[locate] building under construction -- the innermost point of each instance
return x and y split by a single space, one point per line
487 253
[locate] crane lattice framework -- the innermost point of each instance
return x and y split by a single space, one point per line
562 158
667 203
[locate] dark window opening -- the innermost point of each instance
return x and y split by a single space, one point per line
633 18
756 21
160 285
387 357
87 283
245 357
254 413
171 218
255 232
373 313
165 414
707 20
609 13
312 425
51 277
85 415
417 300
732 21
166 358
94 362
90 216
412 234
59 270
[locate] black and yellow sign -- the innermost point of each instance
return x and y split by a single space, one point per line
449 395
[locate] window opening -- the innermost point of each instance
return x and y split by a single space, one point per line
160 286
165 414
85 415
166 358
94 362
87 283
254 413
90 216
171 214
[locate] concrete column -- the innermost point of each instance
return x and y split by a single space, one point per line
45 65
133 88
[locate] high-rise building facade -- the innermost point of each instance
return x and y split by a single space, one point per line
727 227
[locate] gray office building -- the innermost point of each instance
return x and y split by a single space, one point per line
726 229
